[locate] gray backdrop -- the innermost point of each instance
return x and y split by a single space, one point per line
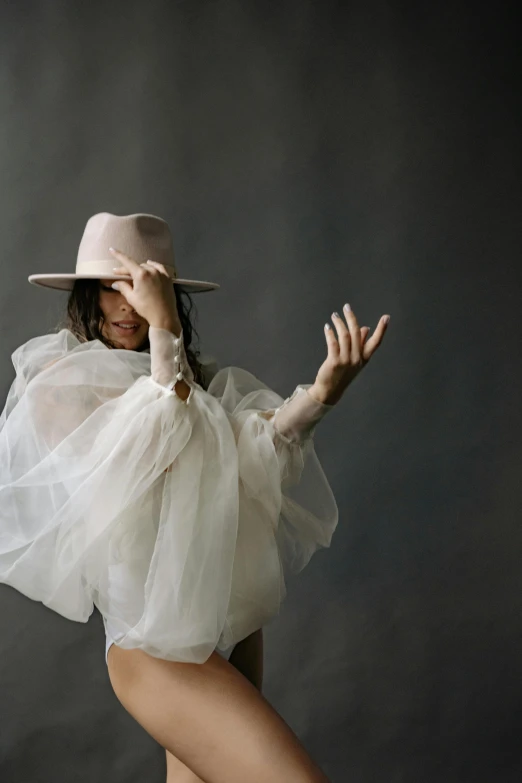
305 154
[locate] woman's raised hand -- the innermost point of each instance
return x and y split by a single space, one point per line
348 353
151 293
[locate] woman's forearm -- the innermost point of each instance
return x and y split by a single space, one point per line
168 358
297 418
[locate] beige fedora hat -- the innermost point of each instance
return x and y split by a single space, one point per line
140 236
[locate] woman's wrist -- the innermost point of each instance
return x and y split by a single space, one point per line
168 322
324 396
169 363
300 413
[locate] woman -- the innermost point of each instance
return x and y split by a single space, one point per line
174 497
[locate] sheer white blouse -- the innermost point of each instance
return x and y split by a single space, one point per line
178 519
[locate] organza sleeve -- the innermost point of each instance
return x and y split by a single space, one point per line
88 515
178 519
168 361
278 462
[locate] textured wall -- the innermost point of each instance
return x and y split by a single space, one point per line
305 154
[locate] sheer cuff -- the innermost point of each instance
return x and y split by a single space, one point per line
298 416
168 360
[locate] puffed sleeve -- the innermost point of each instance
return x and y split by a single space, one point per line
88 515
162 512
287 507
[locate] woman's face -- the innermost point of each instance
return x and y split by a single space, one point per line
116 309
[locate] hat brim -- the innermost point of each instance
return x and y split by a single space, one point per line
66 282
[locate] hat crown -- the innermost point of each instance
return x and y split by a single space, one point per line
141 236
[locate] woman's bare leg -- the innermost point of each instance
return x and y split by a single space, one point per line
247 658
177 772
211 718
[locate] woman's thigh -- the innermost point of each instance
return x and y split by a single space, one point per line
247 657
211 718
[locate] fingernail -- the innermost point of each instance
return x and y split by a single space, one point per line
327 326
347 307
336 314
386 319
116 286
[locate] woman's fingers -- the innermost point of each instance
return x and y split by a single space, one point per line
127 262
331 341
158 266
119 269
355 334
123 257
349 336
343 336
354 343
376 339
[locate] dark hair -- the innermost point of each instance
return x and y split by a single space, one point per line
85 320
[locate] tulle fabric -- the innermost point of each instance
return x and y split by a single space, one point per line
180 520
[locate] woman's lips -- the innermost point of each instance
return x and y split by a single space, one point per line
122 330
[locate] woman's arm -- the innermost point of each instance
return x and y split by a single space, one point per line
168 357
298 416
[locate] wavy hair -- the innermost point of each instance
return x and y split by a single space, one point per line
85 319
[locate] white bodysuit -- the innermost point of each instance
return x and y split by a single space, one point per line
178 519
